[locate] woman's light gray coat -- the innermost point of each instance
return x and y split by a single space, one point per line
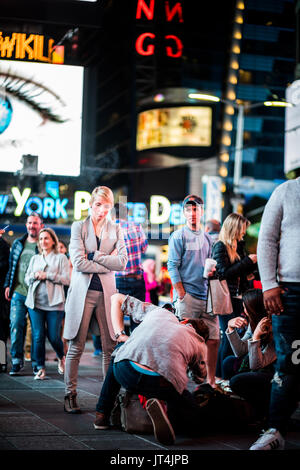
83 241
57 277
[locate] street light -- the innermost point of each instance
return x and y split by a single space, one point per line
241 107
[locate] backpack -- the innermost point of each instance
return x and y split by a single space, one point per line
130 415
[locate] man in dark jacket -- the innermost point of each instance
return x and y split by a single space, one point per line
4 310
16 290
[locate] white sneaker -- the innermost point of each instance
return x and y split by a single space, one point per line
269 440
61 365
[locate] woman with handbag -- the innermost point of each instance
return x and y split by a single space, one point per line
97 249
235 266
46 276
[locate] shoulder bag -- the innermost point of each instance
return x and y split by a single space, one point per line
218 298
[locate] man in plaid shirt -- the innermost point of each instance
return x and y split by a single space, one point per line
131 281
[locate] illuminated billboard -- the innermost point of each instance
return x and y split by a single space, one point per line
41 114
174 127
292 129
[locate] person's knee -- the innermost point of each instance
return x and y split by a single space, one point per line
17 319
237 384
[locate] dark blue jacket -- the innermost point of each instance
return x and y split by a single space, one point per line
14 256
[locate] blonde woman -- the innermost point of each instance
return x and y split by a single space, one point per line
234 265
97 249
46 276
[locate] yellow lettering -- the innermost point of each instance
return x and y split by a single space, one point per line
24 46
20 199
50 49
7 45
17 51
160 209
36 47
81 203
42 58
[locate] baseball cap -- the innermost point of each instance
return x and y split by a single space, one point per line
192 199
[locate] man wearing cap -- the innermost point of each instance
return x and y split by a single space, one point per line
188 249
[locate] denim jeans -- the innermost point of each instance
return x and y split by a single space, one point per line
39 320
18 321
225 348
285 391
134 287
97 342
182 408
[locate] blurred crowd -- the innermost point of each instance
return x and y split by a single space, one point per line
178 327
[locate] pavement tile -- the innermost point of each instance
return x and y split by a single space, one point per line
8 382
7 405
25 398
25 423
118 440
46 443
6 445
32 418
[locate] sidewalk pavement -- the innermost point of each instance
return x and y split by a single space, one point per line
32 417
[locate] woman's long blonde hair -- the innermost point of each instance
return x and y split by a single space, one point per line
230 233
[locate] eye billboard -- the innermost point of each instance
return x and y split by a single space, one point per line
41 114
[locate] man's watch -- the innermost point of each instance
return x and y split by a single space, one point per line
123 332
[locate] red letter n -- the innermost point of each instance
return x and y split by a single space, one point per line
148 10
171 13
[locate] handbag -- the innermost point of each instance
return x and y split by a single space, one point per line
129 414
218 298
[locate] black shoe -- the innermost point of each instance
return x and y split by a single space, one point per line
16 369
71 405
35 370
162 427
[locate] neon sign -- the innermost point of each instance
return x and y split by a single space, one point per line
162 211
47 207
173 44
33 47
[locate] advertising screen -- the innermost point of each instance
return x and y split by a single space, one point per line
173 127
292 128
41 114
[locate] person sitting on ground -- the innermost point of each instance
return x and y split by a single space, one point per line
153 362
256 346
252 369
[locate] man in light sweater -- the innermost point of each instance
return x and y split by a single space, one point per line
188 249
279 266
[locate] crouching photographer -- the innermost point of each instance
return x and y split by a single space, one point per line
153 362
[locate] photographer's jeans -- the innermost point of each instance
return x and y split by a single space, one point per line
18 311
183 407
285 391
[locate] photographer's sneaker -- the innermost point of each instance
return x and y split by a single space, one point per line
101 421
269 440
162 427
